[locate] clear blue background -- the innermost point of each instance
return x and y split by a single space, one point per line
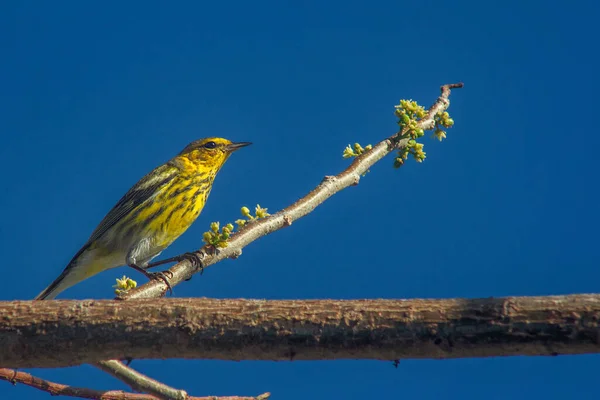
94 95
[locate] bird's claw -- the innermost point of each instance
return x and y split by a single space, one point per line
155 275
161 275
194 258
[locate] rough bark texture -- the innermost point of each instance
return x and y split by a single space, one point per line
63 333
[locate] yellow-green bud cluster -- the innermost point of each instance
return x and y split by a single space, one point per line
409 114
123 285
356 150
218 237
258 211
414 148
442 120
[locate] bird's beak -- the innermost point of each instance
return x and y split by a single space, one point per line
234 146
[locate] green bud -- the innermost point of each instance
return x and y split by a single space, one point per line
348 152
261 212
440 134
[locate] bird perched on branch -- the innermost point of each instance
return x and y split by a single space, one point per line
151 215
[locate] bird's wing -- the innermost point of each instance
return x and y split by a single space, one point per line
145 189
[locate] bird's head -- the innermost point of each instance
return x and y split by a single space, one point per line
211 152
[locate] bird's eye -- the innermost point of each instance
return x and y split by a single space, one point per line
210 145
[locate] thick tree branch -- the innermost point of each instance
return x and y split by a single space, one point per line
57 389
63 333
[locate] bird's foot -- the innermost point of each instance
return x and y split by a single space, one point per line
162 275
155 275
193 257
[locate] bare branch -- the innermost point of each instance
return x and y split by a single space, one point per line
57 389
141 382
63 333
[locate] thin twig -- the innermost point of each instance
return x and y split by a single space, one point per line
141 382
57 389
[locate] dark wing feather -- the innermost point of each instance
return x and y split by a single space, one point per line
147 187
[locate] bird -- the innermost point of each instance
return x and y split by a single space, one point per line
150 216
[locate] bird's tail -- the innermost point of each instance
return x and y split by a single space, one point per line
59 284
74 273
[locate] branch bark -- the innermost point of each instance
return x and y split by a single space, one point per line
58 389
64 333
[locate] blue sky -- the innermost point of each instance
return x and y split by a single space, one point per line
96 95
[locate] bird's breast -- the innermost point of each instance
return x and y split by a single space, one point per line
178 207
